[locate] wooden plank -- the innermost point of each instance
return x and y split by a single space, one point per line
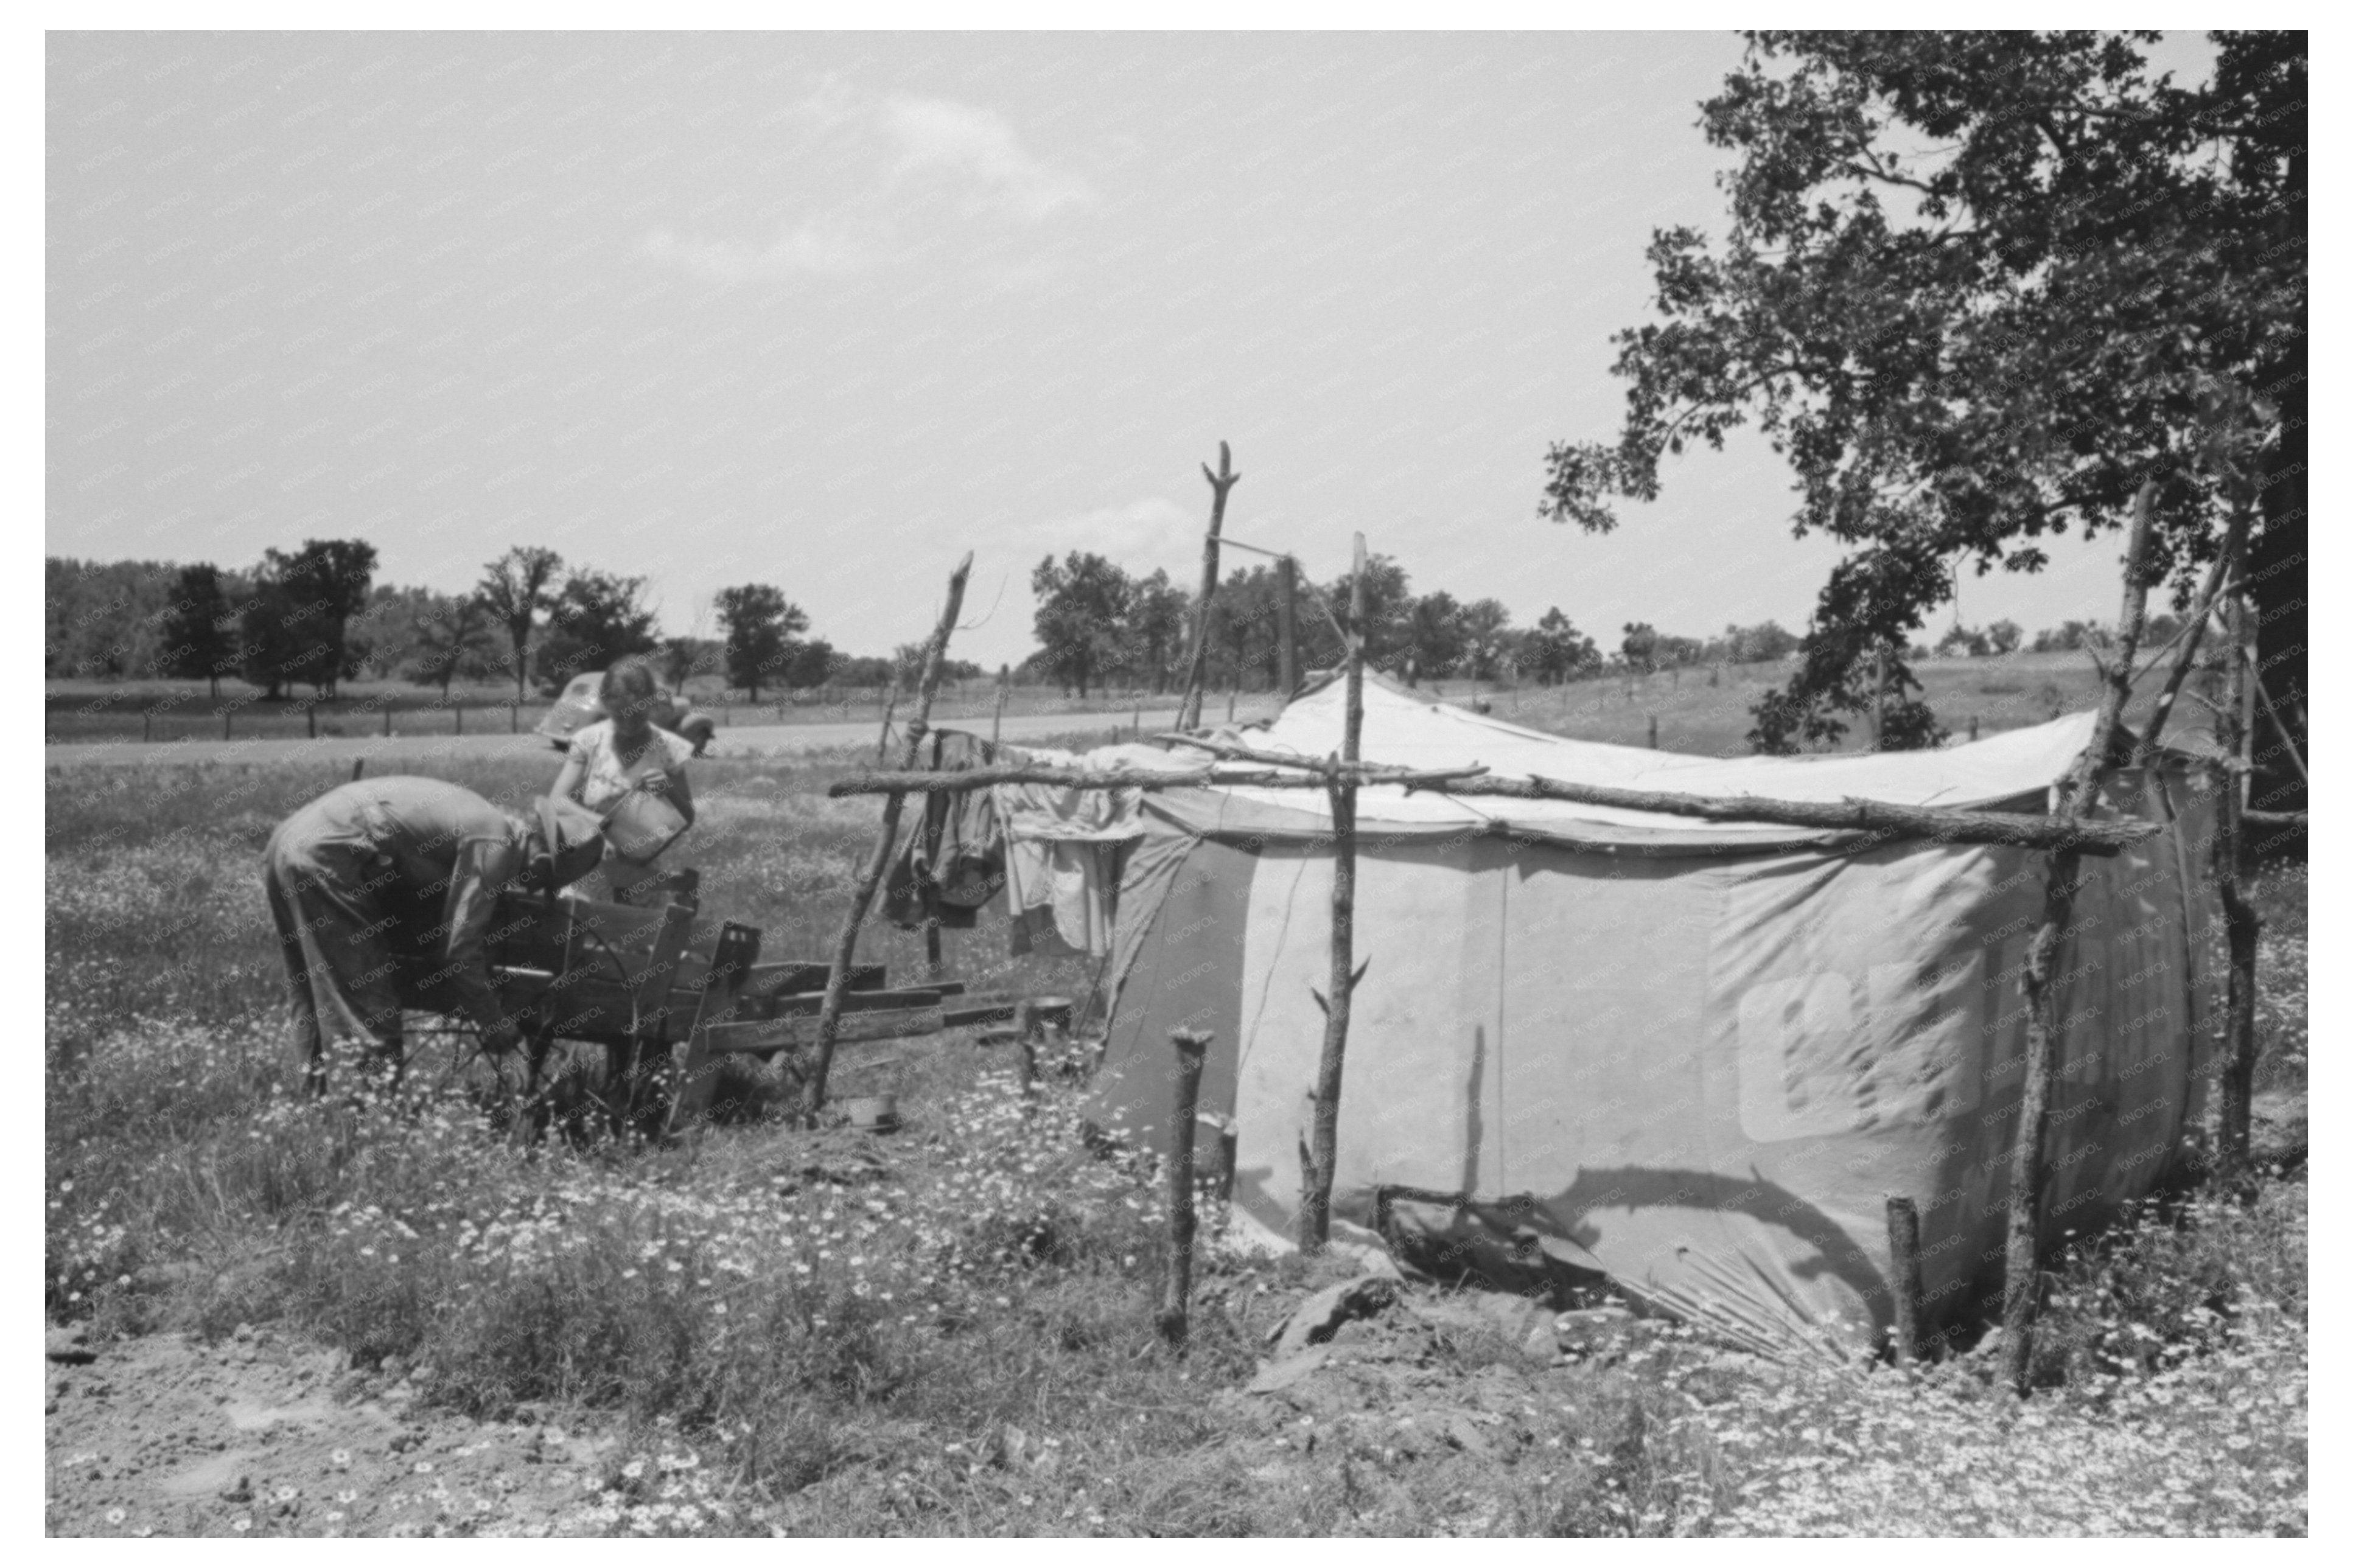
799 1031
996 1007
792 974
800 1004
734 950
658 1020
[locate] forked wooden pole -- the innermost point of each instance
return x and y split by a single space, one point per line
1197 671
1324 1154
2185 654
836 981
890 707
2078 792
1192 1050
2241 923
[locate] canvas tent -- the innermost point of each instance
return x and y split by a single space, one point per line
1696 1055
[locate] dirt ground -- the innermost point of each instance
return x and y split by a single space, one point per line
166 1435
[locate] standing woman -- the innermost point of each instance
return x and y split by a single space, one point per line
625 752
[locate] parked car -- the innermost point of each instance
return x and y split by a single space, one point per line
580 703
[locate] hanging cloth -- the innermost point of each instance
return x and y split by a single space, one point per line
953 859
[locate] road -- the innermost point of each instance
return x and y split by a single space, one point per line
410 751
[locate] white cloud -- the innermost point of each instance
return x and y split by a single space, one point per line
1136 536
977 165
806 251
934 132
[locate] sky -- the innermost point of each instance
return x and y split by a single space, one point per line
828 310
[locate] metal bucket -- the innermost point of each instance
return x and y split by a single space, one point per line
872 1113
640 825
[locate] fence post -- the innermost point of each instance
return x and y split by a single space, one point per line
228 716
1192 1049
514 718
459 710
1904 1276
310 718
1973 726
1654 731
146 723
387 720
1025 1041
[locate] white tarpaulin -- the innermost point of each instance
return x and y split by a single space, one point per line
1705 1052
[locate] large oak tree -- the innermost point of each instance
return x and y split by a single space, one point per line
1977 287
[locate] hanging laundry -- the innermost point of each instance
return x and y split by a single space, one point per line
954 860
1063 853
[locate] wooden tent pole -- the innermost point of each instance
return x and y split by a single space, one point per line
2255 679
1192 1050
2241 925
2079 791
1188 712
1315 1213
1904 1277
1286 625
2186 654
837 979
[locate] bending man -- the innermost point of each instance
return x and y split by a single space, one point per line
383 891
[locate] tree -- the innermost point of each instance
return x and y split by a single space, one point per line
292 629
2004 636
515 588
812 664
1082 616
1244 635
200 633
2065 638
2090 278
1558 651
1485 631
1388 600
683 658
1639 647
1434 634
1158 614
1765 643
762 627
594 620
449 637
1963 642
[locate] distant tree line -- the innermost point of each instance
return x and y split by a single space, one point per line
316 617
1097 625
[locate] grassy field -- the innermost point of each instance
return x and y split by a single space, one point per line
955 1338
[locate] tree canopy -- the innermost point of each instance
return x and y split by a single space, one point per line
1977 287
292 629
763 632
596 618
517 590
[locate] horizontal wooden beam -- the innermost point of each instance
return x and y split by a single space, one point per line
1845 815
1363 773
1064 778
1848 816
